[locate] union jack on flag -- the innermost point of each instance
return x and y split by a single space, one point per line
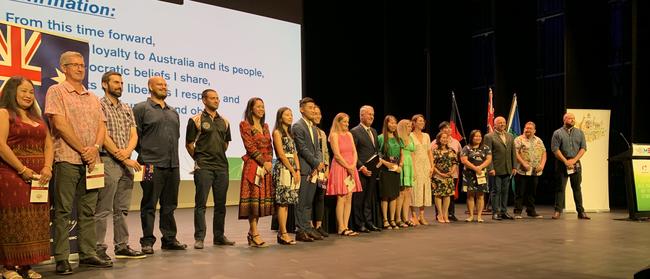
18 47
34 54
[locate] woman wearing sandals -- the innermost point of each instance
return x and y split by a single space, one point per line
26 152
407 175
256 194
390 152
343 178
422 157
476 157
445 165
286 173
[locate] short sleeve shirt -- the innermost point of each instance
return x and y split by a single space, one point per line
119 121
210 137
83 113
530 150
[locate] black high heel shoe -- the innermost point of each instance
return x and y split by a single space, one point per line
253 243
285 242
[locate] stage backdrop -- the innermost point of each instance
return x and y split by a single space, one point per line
595 174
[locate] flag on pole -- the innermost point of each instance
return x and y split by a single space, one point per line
514 126
452 120
490 113
455 114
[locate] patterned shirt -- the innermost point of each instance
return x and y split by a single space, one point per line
83 113
119 121
531 151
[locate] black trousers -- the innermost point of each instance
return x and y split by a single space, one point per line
525 189
163 187
576 180
363 202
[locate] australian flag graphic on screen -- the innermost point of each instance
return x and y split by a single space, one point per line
34 54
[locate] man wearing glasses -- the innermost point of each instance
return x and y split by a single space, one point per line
78 129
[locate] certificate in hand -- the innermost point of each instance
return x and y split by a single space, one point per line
95 178
38 193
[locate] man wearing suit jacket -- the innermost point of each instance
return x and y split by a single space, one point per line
365 140
305 136
503 167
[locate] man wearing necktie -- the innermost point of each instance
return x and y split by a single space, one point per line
309 152
364 203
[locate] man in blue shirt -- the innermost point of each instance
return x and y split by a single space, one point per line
568 145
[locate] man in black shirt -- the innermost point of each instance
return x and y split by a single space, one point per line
207 138
158 132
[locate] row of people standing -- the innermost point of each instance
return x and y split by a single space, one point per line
396 166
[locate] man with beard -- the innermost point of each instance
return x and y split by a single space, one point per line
207 138
119 142
568 145
157 125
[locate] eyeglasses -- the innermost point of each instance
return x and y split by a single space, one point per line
75 65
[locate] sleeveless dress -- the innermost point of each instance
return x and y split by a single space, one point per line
421 193
338 174
283 193
255 200
25 233
407 175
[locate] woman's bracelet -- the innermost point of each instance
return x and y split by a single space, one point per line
23 170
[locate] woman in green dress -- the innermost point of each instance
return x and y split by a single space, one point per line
407 176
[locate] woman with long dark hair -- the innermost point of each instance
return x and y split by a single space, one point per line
286 172
390 153
256 195
26 152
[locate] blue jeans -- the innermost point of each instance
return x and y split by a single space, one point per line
499 194
204 180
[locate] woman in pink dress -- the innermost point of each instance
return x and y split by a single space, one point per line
343 178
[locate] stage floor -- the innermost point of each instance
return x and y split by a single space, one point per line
526 248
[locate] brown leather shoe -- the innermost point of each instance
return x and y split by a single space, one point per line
583 216
556 215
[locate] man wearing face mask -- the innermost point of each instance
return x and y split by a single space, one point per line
158 132
569 145
114 199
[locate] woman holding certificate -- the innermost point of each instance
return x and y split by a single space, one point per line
343 178
26 155
476 157
286 173
256 195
